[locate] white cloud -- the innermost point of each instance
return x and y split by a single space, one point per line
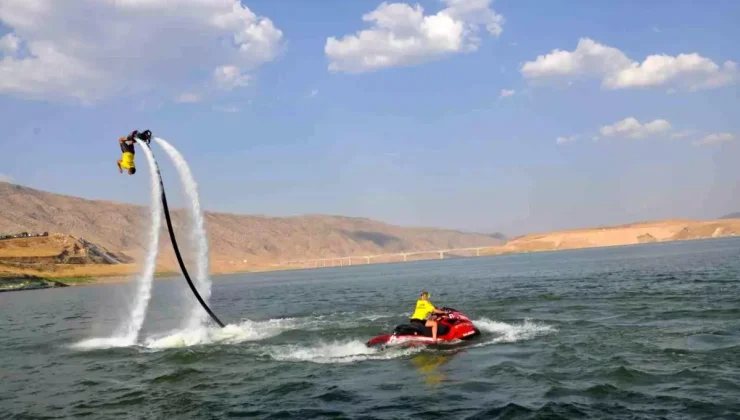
563 140
715 139
187 97
131 46
617 71
402 35
6 178
631 128
229 77
314 92
9 44
505 93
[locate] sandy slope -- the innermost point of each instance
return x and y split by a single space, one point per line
658 231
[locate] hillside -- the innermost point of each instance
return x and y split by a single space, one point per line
635 233
735 215
58 256
236 241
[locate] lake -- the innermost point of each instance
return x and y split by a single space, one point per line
637 332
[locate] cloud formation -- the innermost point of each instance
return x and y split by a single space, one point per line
56 51
9 44
632 128
591 59
402 35
229 77
6 178
715 138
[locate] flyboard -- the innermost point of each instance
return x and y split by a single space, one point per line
146 138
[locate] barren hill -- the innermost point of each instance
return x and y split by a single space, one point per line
634 233
235 241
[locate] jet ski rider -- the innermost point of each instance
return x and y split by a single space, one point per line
423 312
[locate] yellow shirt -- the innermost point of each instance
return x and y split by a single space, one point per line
127 160
423 309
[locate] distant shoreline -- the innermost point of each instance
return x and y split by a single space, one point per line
44 282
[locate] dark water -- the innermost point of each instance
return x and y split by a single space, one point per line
641 332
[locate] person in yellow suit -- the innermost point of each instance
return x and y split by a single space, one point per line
128 152
424 309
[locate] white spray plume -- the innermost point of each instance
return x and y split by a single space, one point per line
197 235
130 331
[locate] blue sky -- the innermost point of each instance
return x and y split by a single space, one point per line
423 138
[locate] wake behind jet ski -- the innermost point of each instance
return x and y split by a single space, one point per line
452 326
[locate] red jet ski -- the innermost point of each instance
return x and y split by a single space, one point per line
451 326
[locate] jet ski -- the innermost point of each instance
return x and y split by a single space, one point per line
452 326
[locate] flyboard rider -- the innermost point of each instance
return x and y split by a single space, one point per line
127 149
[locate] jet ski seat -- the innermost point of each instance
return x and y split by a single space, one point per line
407 329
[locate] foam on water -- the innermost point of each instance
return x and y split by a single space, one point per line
336 352
231 334
101 343
511 333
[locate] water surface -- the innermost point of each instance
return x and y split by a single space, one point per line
639 332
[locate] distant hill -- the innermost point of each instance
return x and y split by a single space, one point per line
735 215
234 239
628 234
498 235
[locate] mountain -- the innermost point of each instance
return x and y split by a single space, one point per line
498 235
234 240
735 215
629 234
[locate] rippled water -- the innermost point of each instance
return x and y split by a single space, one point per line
648 331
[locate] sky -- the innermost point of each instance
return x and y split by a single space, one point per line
513 116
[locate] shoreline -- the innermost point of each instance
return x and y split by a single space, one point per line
82 280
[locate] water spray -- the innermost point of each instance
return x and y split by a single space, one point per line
197 230
177 249
144 289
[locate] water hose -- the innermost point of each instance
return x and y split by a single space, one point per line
177 251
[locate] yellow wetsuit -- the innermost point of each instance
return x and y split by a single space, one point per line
423 309
127 159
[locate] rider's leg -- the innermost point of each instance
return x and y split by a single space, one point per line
433 324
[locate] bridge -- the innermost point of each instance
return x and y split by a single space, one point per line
367 259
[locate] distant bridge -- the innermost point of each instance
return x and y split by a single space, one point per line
367 259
